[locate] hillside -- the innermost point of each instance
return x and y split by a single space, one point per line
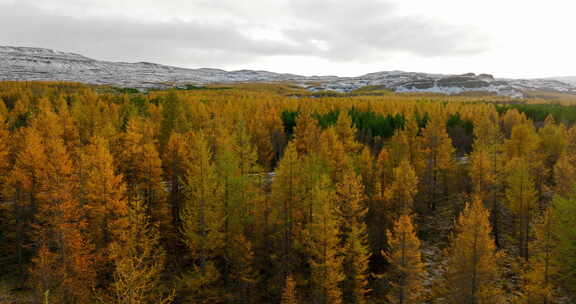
38 64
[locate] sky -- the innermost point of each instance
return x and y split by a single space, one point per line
511 38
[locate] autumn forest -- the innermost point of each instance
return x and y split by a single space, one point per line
270 194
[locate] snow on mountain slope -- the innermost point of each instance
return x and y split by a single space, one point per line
566 79
25 63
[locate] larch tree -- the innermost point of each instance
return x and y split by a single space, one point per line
487 168
542 269
471 274
407 269
406 144
235 161
438 154
553 142
139 261
60 230
173 118
347 134
521 198
325 250
333 153
175 161
289 295
350 199
289 212
525 143
22 187
564 175
403 189
565 236
103 196
202 223
379 202
141 166
306 134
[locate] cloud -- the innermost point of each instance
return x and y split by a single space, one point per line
206 34
371 29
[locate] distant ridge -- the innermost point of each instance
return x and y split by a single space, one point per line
28 64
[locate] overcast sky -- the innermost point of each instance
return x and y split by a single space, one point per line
508 38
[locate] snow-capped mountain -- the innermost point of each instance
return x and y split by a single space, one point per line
25 63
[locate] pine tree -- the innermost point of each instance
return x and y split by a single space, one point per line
471 274
350 199
324 247
407 269
139 261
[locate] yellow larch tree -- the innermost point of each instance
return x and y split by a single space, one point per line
521 199
60 231
306 133
141 166
403 189
542 268
289 211
22 187
175 158
379 203
235 160
487 170
351 199
102 194
564 175
289 295
472 273
525 143
553 142
324 247
438 157
333 153
407 270
347 134
202 219
139 261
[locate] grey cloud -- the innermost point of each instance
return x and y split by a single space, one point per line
360 30
173 42
370 29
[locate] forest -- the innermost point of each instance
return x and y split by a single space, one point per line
265 193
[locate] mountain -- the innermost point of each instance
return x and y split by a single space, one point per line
26 63
567 79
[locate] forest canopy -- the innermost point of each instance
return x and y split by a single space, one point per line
265 193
